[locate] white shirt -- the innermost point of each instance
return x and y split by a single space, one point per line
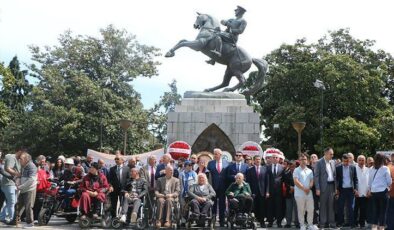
329 171
304 176
381 181
363 180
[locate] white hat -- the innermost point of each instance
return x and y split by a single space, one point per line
61 157
69 161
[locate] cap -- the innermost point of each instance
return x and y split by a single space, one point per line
240 8
188 163
69 161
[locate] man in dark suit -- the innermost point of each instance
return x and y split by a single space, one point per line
347 185
160 171
325 187
257 177
217 167
275 200
236 167
117 177
148 172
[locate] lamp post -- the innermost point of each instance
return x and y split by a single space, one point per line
299 126
125 124
107 82
320 85
276 128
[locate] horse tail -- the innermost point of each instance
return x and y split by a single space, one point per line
262 66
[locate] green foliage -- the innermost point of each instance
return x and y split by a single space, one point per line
82 83
349 135
158 114
356 81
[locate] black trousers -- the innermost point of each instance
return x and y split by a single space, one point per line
379 207
260 207
242 204
275 207
360 210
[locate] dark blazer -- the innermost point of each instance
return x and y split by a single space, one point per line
232 171
162 167
113 178
218 179
275 182
353 176
320 174
262 185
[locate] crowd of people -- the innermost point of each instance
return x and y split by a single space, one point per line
308 193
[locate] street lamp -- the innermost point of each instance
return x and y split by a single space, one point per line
320 85
299 126
276 128
125 124
107 82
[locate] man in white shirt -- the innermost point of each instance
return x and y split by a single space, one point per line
303 181
361 200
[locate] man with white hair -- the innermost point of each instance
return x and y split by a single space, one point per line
27 188
360 207
217 167
160 171
240 195
167 192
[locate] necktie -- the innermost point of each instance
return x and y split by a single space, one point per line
218 167
274 169
152 178
258 172
238 167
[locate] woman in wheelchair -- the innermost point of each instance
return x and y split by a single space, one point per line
93 187
134 191
239 194
202 194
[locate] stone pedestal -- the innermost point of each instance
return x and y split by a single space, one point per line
213 120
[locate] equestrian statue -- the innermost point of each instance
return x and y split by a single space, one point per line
221 47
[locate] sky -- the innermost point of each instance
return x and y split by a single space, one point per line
163 23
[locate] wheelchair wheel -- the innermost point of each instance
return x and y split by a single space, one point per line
174 226
230 225
115 223
141 224
84 223
44 216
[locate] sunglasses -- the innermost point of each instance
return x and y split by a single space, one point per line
238 155
117 159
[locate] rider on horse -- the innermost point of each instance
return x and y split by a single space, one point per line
235 27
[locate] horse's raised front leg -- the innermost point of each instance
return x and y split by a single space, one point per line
195 45
241 82
225 83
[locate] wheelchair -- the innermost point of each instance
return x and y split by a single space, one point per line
104 216
202 222
175 215
240 220
142 220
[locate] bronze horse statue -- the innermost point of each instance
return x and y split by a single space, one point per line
234 57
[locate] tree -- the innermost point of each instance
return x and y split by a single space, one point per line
82 83
158 114
355 77
16 87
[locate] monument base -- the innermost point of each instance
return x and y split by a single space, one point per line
213 120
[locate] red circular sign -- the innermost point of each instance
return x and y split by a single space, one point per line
179 149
